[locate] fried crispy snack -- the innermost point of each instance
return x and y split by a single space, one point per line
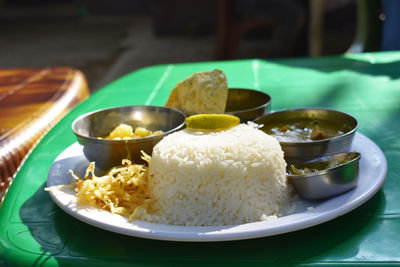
122 190
203 92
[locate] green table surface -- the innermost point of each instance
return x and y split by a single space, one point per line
34 231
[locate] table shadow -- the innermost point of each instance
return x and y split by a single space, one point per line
330 64
67 239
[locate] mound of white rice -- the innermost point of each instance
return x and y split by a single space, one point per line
217 178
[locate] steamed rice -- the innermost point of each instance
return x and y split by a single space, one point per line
217 178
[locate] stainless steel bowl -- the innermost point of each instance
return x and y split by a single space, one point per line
247 104
327 182
301 150
108 153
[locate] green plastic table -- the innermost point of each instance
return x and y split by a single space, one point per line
34 231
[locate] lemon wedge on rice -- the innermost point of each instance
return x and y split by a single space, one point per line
211 122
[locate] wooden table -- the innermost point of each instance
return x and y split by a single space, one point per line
31 102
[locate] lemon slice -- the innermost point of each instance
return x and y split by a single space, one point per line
211 122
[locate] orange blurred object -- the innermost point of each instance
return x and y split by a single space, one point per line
31 102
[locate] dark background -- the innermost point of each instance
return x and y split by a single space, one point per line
107 39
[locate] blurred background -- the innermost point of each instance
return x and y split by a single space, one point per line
107 39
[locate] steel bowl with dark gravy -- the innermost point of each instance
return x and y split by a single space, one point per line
309 133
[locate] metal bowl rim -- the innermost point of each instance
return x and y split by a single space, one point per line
136 140
250 109
313 175
352 131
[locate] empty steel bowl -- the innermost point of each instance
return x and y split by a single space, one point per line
338 130
327 177
109 153
247 104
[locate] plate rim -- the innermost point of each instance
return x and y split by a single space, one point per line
219 233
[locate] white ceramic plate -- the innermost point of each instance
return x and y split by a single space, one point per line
373 168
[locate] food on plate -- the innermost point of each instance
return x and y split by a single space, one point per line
122 190
322 164
197 178
205 178
300 171
202 92
212 122
305 130
125 131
